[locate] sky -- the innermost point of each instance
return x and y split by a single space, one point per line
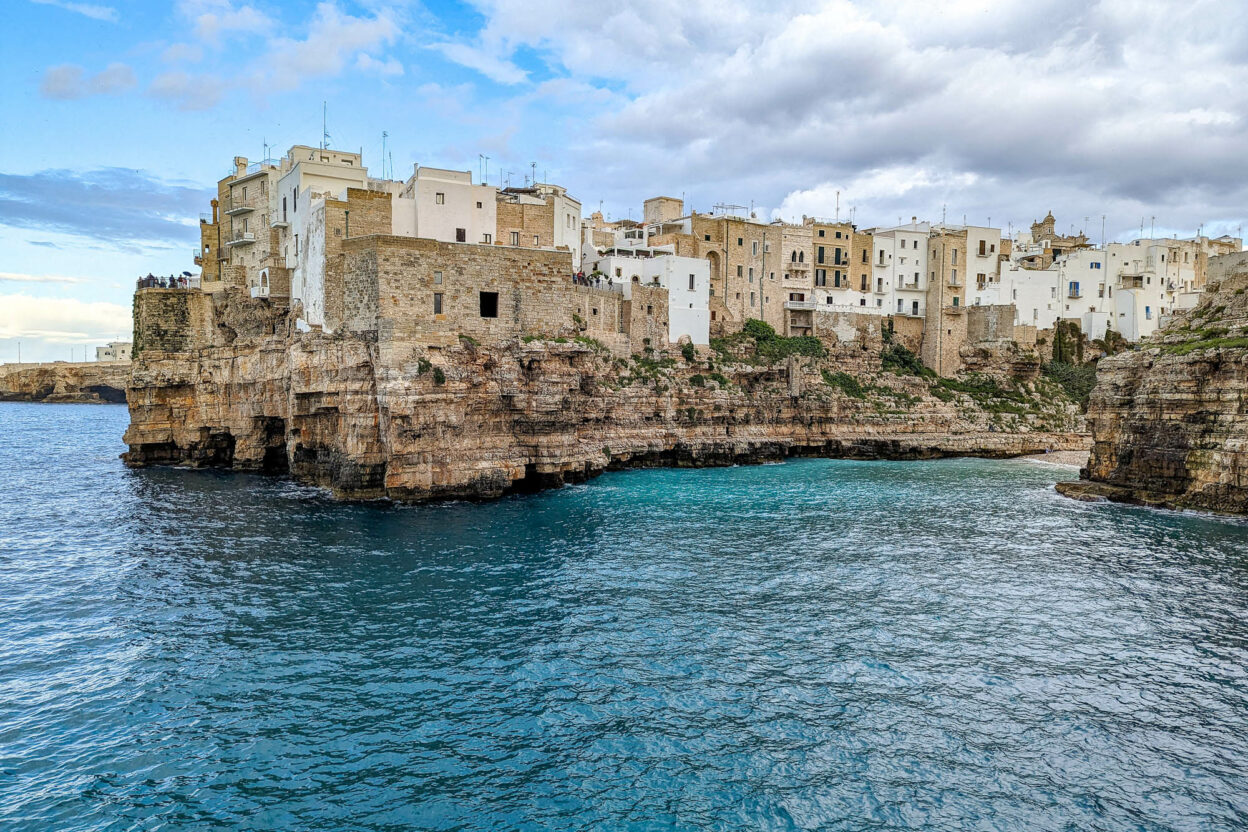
119 117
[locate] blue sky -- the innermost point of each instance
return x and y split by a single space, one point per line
119 117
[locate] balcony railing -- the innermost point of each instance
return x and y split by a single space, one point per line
240 207
1074 294
279 222
242 238
806 305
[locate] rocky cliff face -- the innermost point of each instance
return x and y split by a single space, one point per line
367 418
62 382
1170 420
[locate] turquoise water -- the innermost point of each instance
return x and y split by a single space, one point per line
815 645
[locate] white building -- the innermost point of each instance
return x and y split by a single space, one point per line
686 279
115 351
899 268
445 205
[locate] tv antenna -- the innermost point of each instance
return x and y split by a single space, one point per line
324 126
384 135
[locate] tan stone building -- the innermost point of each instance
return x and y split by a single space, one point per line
944 328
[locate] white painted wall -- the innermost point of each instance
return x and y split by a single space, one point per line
688 309
420 212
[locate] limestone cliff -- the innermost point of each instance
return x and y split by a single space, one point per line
367 418
63 382
1169 421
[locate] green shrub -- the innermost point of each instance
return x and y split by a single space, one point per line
697 380
423 366
719 379
897 359
689 352
439 377
846 383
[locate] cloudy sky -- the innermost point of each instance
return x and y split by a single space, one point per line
120 116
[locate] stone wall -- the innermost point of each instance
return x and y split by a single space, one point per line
172 320
529 221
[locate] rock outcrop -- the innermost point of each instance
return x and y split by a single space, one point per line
1169 421
63 382
369 418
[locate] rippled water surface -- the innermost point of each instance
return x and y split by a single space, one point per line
815 645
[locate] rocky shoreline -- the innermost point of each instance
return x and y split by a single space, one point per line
61 382
1169 421
415 422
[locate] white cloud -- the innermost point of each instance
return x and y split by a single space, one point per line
216 19
91 10
389 67
188 92
62 320
333 39
16 277
483 60
182 53
70 81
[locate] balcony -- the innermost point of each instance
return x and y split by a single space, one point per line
1131 281
198 256
242 238
206 218
1074 294
954 309
233 208
801 305
910 286
280 222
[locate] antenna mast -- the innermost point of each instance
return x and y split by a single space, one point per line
384 135
324 126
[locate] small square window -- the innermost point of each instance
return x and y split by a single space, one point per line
437 277
478 204
439 198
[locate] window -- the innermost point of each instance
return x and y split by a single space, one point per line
489 304
439 198
691 282
955 303
437 278
740 241
983 248
955 255
619 272
245 198
819 255
461 235
487 238
954 276
1148 313
864 255
862 301
822 234
838 235
740 271
706 237
535 240
478 204
829 300
801 257
864 283
296 245
437 303
751 298
294 200
751 274
1094 265
914 310
283 209
821 277
515 238
754 248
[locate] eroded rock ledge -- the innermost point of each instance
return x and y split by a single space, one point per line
61 382
1170 421
372 419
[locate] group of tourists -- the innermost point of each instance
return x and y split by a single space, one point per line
173 281
594 281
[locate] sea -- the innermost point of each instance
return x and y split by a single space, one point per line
818 644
